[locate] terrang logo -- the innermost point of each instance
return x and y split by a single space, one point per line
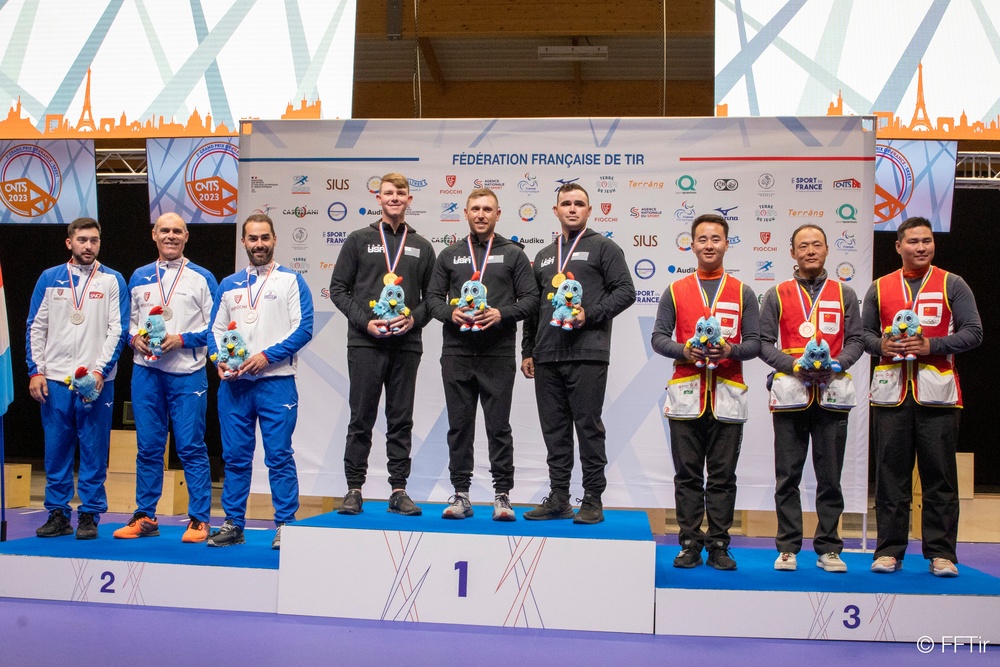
209 191
30 180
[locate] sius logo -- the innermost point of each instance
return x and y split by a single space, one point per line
725 213
338 184
645 241
726 184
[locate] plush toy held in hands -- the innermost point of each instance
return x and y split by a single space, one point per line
907 325
707 334
473 296
233 351
566 302
154 330
816 357
390 304
84 384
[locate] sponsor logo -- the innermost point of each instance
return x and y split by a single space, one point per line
491 183
258 184
644 269
370 211
685 213
449 212
205 187
765 237
645 241
765 213
805 213
238 297
681 269
415 184
450 179
325 293
765 270
334 238
300 211
527 240
847 213
338 184
300 185
265 209
606 185
337 211
645 185
299 234
529 184
683 241
845 271
727 214
95 295
807 184
733 240
30 180
766 181
527 212
447 239
373 184
327 265
648 297
846 242
564 181
645 212
605 209
145 295
726 184
299 265
891 166
847 184
686 183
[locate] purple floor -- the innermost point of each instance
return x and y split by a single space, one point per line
46 633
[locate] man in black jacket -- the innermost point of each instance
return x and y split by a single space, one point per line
570 367
382 351
477 355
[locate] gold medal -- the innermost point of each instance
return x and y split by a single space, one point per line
389 278
558 279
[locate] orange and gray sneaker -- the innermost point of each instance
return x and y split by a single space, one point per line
197 531
140 525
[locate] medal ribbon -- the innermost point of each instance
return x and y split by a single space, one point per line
486 257
718 292
560 264
810 313
251 299
909 292
78 303
165 298
391 268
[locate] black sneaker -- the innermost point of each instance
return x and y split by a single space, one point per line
400 503
86 528
720 559
591 509
352 503
553 506
690 556
227 535
56 526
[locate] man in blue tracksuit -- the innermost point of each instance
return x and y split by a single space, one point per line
171 386
76 328
270 306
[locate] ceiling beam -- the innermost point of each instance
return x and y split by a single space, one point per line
427 51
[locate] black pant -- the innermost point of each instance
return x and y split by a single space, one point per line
792 430
571 394
694 445
491 381
370 369
931 435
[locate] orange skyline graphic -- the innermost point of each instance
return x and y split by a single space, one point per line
890 126
57 126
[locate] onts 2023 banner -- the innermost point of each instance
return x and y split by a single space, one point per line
194 178
648 179
47 181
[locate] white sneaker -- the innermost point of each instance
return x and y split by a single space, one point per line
785 561
942 567
830 562
886 565
458 507
502 511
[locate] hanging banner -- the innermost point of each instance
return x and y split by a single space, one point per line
194 178
648 178
914 177
48 182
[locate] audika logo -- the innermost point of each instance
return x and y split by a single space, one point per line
30 180
205 178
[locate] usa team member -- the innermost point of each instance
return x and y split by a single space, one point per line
570 368
479 364
807 403
706 407
173 388
273 311
917 402
76 319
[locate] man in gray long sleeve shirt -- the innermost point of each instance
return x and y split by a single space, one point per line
915 393
806 402
706 399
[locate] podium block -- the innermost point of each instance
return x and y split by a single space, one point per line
547 574
18 483
121 454
120 487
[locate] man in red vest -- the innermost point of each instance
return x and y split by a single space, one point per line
706 400
916 400
806 402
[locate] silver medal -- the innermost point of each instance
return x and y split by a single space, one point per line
807 330
167 313
250 316
76 317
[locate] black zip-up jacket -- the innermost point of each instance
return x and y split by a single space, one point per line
357 280
599 265
510 289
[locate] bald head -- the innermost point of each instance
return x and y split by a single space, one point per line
170 234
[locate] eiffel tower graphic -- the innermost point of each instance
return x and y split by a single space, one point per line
86 116
920 120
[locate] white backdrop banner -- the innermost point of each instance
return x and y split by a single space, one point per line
648 178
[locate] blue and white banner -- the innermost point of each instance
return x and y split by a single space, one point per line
47 181
194 178
648 178
914 177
